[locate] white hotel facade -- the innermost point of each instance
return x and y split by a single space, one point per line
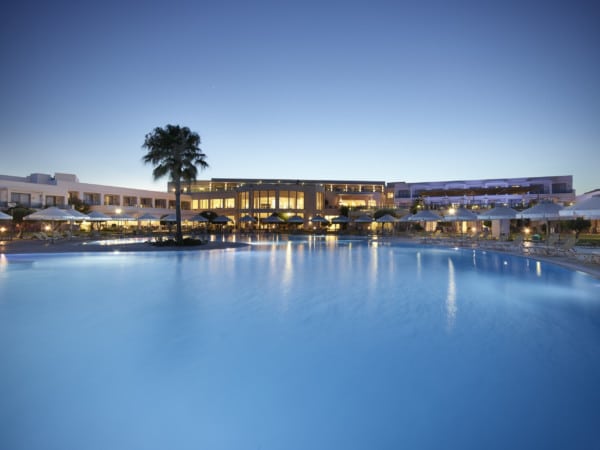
260 198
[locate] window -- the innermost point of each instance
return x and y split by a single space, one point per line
264 199
320 196
216 203
21 199
244 200
230 202
91 198
111 200
146 202
560 188
53 200
203 204
285 199
160 203
185 205
129 201
300 200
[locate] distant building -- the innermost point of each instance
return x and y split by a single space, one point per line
513 192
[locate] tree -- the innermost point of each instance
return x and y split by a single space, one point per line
175 151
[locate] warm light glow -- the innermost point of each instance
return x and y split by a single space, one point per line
118 211
526 230
452 211
47 228
474 229
2 230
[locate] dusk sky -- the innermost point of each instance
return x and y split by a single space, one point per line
391 91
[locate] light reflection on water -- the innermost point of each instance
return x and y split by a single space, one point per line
297 343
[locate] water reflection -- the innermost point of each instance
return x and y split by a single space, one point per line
451 307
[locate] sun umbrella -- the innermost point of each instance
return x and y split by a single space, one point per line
363 219
500 217
273 218
169 218
296 220
79 215
147 218
199 218
51 214
388 218
424 216
221 219
123 218
4 216
545 210
588 209
340 219
461 215
97 216
319 219
498 213
247 219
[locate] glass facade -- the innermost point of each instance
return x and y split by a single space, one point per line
291 200
264 200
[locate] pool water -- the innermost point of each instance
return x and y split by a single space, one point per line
298 344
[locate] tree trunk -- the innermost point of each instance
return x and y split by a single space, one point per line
178 232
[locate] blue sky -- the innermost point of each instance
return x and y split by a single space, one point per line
373 90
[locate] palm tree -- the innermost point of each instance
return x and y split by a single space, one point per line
175 151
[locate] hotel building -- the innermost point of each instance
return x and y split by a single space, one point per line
513 192
238 197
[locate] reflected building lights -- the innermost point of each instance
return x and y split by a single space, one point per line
538 268
451 307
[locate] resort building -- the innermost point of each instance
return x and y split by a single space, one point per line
260 198
42 190
513 192
236 198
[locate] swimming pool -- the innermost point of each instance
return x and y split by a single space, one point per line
297 344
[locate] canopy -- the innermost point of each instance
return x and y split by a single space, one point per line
388 218
273 218
247 219
545 210
147 218
123 218
319 219
340 219
498 213
4 216
79 215
295 219
221 219
363 219
169 218
199 218
461 215
97 216
424 216
588 209
53 214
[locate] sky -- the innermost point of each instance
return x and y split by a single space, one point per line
361 90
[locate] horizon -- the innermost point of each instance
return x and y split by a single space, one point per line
317 90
